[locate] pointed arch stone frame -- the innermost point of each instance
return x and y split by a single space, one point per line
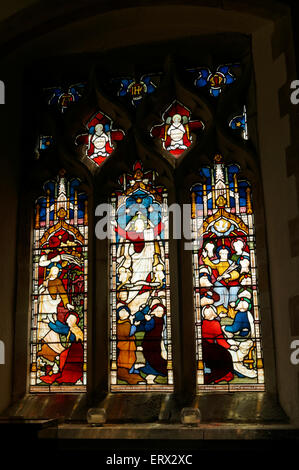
263 30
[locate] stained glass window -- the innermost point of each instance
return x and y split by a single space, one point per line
140 345
45 141
136 89
239 123
216 80
175 130
63 97
59 288
227 315
100 138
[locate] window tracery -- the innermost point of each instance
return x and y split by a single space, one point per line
140 279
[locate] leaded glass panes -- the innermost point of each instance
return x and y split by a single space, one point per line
175 132
239 123
100 138
215 80
136 89
59 288
140 341
64 97
227 315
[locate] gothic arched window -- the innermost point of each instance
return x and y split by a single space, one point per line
141 349
228 340
59 289
160 317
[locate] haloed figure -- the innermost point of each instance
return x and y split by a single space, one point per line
238 246
99 140
226 274
244 266
176 132
52 293
71 358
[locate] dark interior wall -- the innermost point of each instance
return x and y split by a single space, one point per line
11 154
115 27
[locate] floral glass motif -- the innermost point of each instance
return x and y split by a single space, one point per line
136 89
100 138
216 81
239 123
175 132
141 349
59 289
64 97
227 316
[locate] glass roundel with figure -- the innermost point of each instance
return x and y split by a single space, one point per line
227 315
140 341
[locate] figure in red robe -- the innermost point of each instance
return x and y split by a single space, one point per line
175 132
215 352
100 138
71 359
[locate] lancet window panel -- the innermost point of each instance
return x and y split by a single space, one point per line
59 288
227 314
140 334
